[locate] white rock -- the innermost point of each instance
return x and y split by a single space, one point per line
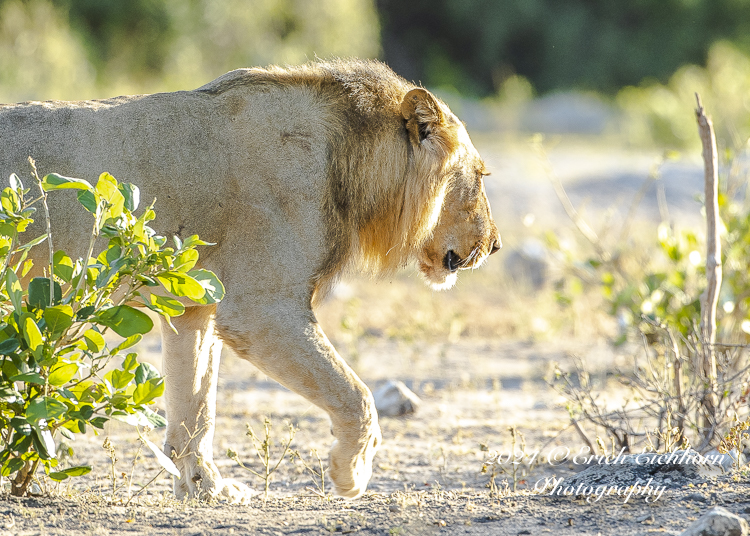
395 399
723 463
718 522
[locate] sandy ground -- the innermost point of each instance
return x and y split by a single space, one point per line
428 476
468 354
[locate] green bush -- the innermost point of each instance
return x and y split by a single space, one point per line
665 288
58 372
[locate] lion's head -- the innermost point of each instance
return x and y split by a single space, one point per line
457 227
406 183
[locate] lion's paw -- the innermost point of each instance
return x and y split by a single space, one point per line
202 481
351 469
235 492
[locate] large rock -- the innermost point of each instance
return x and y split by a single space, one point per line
395 399
718 522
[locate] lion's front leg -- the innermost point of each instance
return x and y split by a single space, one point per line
191 366
287 344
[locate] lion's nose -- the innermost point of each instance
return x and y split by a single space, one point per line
496 245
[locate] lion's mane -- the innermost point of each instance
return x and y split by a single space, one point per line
382 196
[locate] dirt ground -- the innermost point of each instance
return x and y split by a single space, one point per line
477 356
428 475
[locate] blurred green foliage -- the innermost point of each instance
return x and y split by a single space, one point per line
644 287
660 113
474 45
650 56
73 49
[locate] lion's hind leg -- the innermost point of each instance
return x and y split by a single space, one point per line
191 366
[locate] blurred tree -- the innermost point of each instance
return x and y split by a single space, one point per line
474 45
96 48
39 54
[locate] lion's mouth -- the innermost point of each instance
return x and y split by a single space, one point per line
452 261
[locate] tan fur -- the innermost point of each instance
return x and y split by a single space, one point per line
297 174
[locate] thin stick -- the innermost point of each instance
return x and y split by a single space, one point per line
49 233
710 298
583 435
92 240
570 210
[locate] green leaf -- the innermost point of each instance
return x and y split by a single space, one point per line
76 471
62 373
15 182
85 412
88 200
39 293
179 284
15 292
107 190
193 240
9 346
85 312
146 372
53 181
63 266
11 466
45 408
6 229
98 422
28 377
120 378
28 245
43 443
185 261
167 306
125 320
57 476
214 289
154 419
31 332
132 195
10 202
21 425
148 391
94 341
127 343
130 362
58 319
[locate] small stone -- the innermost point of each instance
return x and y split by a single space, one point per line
718 522
646 520
395 399
696 497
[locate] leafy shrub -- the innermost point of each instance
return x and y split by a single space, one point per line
664 286
56 374
657 297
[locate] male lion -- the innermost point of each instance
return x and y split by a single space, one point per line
297 174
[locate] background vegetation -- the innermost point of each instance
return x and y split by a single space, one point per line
642 58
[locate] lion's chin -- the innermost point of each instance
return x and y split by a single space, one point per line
437 279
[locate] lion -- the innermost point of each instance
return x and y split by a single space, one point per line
297 175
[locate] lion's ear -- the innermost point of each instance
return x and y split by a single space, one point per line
423 115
